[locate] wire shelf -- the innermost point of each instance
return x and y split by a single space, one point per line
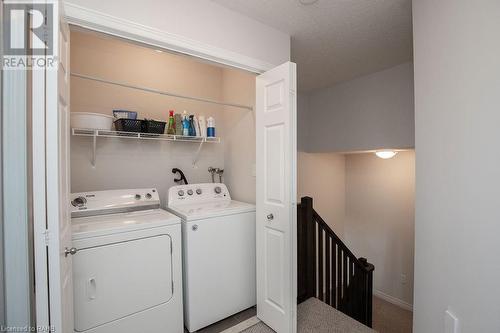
142 136
94 134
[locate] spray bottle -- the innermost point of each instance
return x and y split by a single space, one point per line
171 123
185 124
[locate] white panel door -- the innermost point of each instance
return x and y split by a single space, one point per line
58 180
276 198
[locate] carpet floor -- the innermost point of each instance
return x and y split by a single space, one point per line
390 318
314 316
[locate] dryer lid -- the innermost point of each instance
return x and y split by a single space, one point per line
204 210
101 225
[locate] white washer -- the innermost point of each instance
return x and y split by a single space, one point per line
218 242
127 274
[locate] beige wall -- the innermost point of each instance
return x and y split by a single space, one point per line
113 59
239 134
379 223
322 177
131 163
369 203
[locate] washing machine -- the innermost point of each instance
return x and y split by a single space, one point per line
218 243
127 263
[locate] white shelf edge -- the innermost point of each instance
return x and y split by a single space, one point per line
94 134
141 136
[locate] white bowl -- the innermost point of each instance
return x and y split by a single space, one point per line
90 120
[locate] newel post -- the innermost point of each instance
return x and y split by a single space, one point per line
309 229
367 291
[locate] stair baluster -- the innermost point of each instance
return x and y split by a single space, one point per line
328 270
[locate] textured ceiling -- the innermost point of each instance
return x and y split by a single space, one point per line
337 40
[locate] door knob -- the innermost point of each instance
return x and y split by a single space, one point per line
71 251
270 217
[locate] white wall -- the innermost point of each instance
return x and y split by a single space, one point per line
16 200
203 22
457 98
379 221
303 121
2 267
371 112
322 177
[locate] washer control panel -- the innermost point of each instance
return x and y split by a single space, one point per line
113 200
194 193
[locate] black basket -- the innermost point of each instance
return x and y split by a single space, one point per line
153 126
128 125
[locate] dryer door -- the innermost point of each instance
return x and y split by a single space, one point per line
116 280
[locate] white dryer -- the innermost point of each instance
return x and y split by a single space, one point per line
218 239
127 274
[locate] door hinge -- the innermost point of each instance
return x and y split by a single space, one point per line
46 236
172 287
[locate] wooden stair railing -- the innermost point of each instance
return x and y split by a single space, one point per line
328 270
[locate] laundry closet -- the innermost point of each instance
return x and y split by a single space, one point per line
127 247
122 176
134 163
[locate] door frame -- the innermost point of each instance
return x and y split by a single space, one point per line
115 26
16 272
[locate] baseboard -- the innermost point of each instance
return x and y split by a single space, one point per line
393 300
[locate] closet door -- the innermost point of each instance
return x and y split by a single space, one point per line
57 176
276 215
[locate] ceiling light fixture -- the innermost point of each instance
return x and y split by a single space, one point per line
386 154
308 2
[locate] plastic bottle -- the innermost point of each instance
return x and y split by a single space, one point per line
178 124
210 127
203 125
171 123
185 124
192 130
196 126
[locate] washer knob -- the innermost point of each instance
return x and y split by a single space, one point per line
79 202
137 197
180 193
218 190
149 196
190 192
198 191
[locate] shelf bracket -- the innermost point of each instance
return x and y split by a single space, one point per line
94 148
197 154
